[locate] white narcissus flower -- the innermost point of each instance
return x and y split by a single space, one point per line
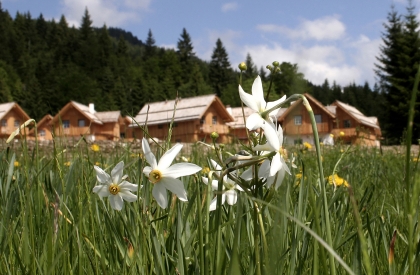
278 165
229 188
257 103
164 177
115 187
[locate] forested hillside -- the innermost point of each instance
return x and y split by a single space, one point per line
45 64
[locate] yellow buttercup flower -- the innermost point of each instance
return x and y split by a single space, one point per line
415 159
341 134
67 163
307 145
205 170
95 147
337 181
16 164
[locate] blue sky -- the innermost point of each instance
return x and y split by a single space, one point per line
328 39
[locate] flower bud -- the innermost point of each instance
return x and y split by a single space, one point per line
276 64
214 135
242 66
269 67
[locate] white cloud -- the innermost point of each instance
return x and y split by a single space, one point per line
111 12
317 63
229 6
325 28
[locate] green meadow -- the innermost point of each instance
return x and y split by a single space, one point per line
52 223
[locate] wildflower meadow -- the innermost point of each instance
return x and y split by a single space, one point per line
208 208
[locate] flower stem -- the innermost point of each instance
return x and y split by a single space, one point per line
410 208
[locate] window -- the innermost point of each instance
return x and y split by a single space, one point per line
318 118
66 123
202 120
122 135
214 120
3 123
160 126
298 120
178 140
81 123
42 133
17 123
298 141
347 123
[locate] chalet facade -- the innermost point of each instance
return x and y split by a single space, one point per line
195 118
11 117
44 128
339 121
75 120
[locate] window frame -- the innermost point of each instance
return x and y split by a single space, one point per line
79 123
347 123
298 120
66 124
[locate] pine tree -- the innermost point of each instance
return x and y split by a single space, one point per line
150 46
398 64
219 69
251 69
185 54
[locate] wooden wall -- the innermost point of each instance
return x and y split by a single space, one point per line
10 118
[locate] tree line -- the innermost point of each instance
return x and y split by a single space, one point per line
45 64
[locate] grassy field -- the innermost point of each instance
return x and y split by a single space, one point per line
52 223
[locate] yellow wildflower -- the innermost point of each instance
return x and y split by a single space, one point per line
16 164
415 159
307 145
331 135
97 163
336 180
205 170
341 134
67 163
95 147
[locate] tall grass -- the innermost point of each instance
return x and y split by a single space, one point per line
51 222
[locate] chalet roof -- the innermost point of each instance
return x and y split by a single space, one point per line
238 117
187 109
6 107
311 100
85 110
110 116
331 108
357 115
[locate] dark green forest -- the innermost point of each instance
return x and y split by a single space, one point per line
45 64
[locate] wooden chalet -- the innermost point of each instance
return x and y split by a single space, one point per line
296 122
353 127
195 118
75 120
11 117
44 128
337 121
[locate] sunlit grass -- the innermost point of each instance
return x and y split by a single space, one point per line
52 223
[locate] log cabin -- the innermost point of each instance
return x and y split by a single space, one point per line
194 119
338 122
11 117
44 128
75 120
